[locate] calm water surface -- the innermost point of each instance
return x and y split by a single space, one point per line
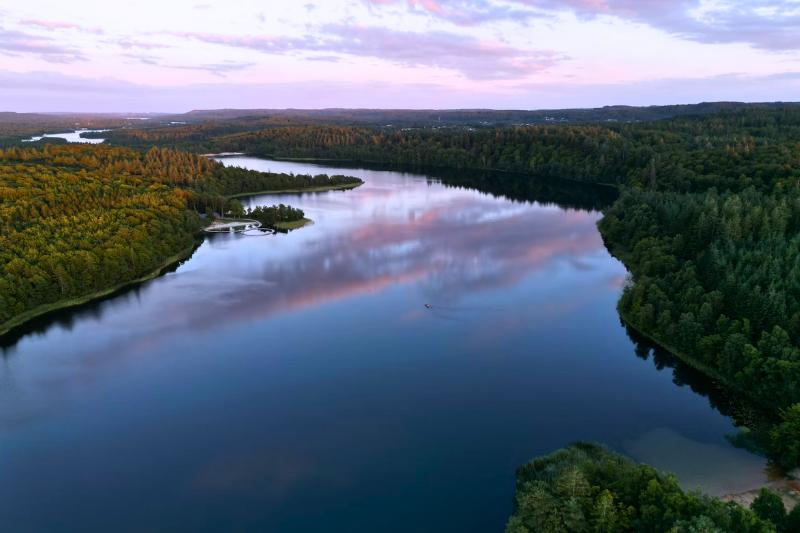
298 382
70 137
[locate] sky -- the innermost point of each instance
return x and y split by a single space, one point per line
179 55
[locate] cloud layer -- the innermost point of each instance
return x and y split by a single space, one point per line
773 25
469 56
49 92
400 53
16 43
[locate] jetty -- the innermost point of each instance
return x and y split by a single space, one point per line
239 225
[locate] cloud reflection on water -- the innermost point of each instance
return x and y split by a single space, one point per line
453 247
445 243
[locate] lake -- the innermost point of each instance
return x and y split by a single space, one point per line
298 382
70 137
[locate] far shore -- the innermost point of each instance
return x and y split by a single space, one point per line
223 154
387 165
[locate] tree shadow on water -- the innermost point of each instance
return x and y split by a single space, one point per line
752 422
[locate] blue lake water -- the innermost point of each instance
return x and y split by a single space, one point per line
298 382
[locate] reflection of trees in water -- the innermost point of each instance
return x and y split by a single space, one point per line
67 317
724 400
513 186
527 188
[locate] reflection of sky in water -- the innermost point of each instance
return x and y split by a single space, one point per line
298 382
70 137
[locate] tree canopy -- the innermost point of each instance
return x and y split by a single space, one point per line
587 488
76 220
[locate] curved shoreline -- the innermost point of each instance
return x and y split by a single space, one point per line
296 224
785 484
343 187
44 309
703 369
432 167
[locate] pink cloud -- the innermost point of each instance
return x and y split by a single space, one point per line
16 43
471 57
59 25
768 25
461 12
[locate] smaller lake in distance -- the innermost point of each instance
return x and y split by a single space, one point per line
297 382
70 137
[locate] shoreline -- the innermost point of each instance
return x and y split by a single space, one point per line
787 485
708 372
273 192
44 309
787 488
322 160
297 224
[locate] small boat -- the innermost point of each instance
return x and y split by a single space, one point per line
428 306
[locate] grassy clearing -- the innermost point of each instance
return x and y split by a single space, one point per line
295 224
295 191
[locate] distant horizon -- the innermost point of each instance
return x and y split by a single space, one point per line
420 109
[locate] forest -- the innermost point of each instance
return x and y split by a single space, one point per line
235 181
215 122
706 220
76 221
716 280
587 488
16 126
746 146
707 223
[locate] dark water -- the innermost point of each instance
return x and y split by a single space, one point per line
298 382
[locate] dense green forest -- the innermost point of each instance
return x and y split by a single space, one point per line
717 280
586 488
234 181
214 122
80 220
76 221
707 224
747 146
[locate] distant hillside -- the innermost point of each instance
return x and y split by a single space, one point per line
16 126
10 117
466 117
